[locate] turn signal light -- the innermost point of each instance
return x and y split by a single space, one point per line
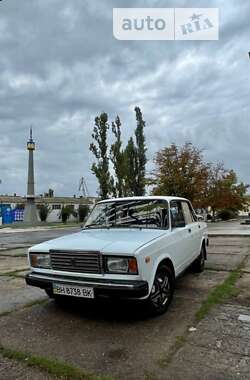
132 265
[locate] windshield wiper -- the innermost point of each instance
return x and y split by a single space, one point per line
124 226
95 225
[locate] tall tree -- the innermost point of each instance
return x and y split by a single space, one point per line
99 147
117 157
130 159
129 164
140 152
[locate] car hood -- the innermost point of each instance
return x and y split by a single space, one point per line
103 240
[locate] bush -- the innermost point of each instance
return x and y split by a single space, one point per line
65 213
44 211
82 212
226 214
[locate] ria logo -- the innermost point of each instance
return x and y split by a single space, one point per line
197 24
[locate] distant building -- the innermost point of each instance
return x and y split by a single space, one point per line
55 204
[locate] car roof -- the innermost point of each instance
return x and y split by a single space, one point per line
149 197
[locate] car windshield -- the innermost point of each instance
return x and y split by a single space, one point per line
130 213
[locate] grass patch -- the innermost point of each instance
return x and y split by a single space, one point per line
53 367
179 342
14 273
220 293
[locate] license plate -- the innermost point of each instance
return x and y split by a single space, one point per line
73 291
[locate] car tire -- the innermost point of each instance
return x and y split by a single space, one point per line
198 265
162 291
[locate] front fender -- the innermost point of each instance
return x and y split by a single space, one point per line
156 263
204 241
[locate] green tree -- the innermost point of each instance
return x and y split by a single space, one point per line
99 147
224 192
82 212
66 211
141 159
181 171
117 156
130 159
129 164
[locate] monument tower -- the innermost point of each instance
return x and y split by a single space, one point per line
30 212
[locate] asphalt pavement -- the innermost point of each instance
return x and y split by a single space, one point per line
30 237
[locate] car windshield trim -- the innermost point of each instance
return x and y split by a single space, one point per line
139 214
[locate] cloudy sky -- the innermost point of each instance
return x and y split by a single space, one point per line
60 66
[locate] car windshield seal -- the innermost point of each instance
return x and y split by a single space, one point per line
139 214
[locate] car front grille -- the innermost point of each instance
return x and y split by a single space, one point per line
76 261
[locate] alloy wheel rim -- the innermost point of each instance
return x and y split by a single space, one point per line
161 290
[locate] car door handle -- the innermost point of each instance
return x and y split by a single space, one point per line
189 230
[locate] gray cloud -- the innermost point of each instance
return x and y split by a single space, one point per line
60 66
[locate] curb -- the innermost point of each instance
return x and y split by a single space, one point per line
228 235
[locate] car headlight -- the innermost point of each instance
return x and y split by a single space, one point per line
40 260
126 265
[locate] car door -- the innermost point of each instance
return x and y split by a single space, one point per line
193 230
181 249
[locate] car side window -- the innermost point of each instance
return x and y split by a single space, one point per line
177 216
158 214
187 213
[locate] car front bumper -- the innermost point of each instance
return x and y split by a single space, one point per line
102 287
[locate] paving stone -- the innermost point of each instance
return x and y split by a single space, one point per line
12 264
14 252
244 285
229 241
194 371
220 344
231 250
223 262
216 340
214 360
14 294
195 286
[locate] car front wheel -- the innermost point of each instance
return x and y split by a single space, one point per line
199 264
162 290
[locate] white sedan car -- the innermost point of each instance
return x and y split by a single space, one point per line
129 248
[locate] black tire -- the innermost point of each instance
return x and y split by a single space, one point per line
162 291
199 264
